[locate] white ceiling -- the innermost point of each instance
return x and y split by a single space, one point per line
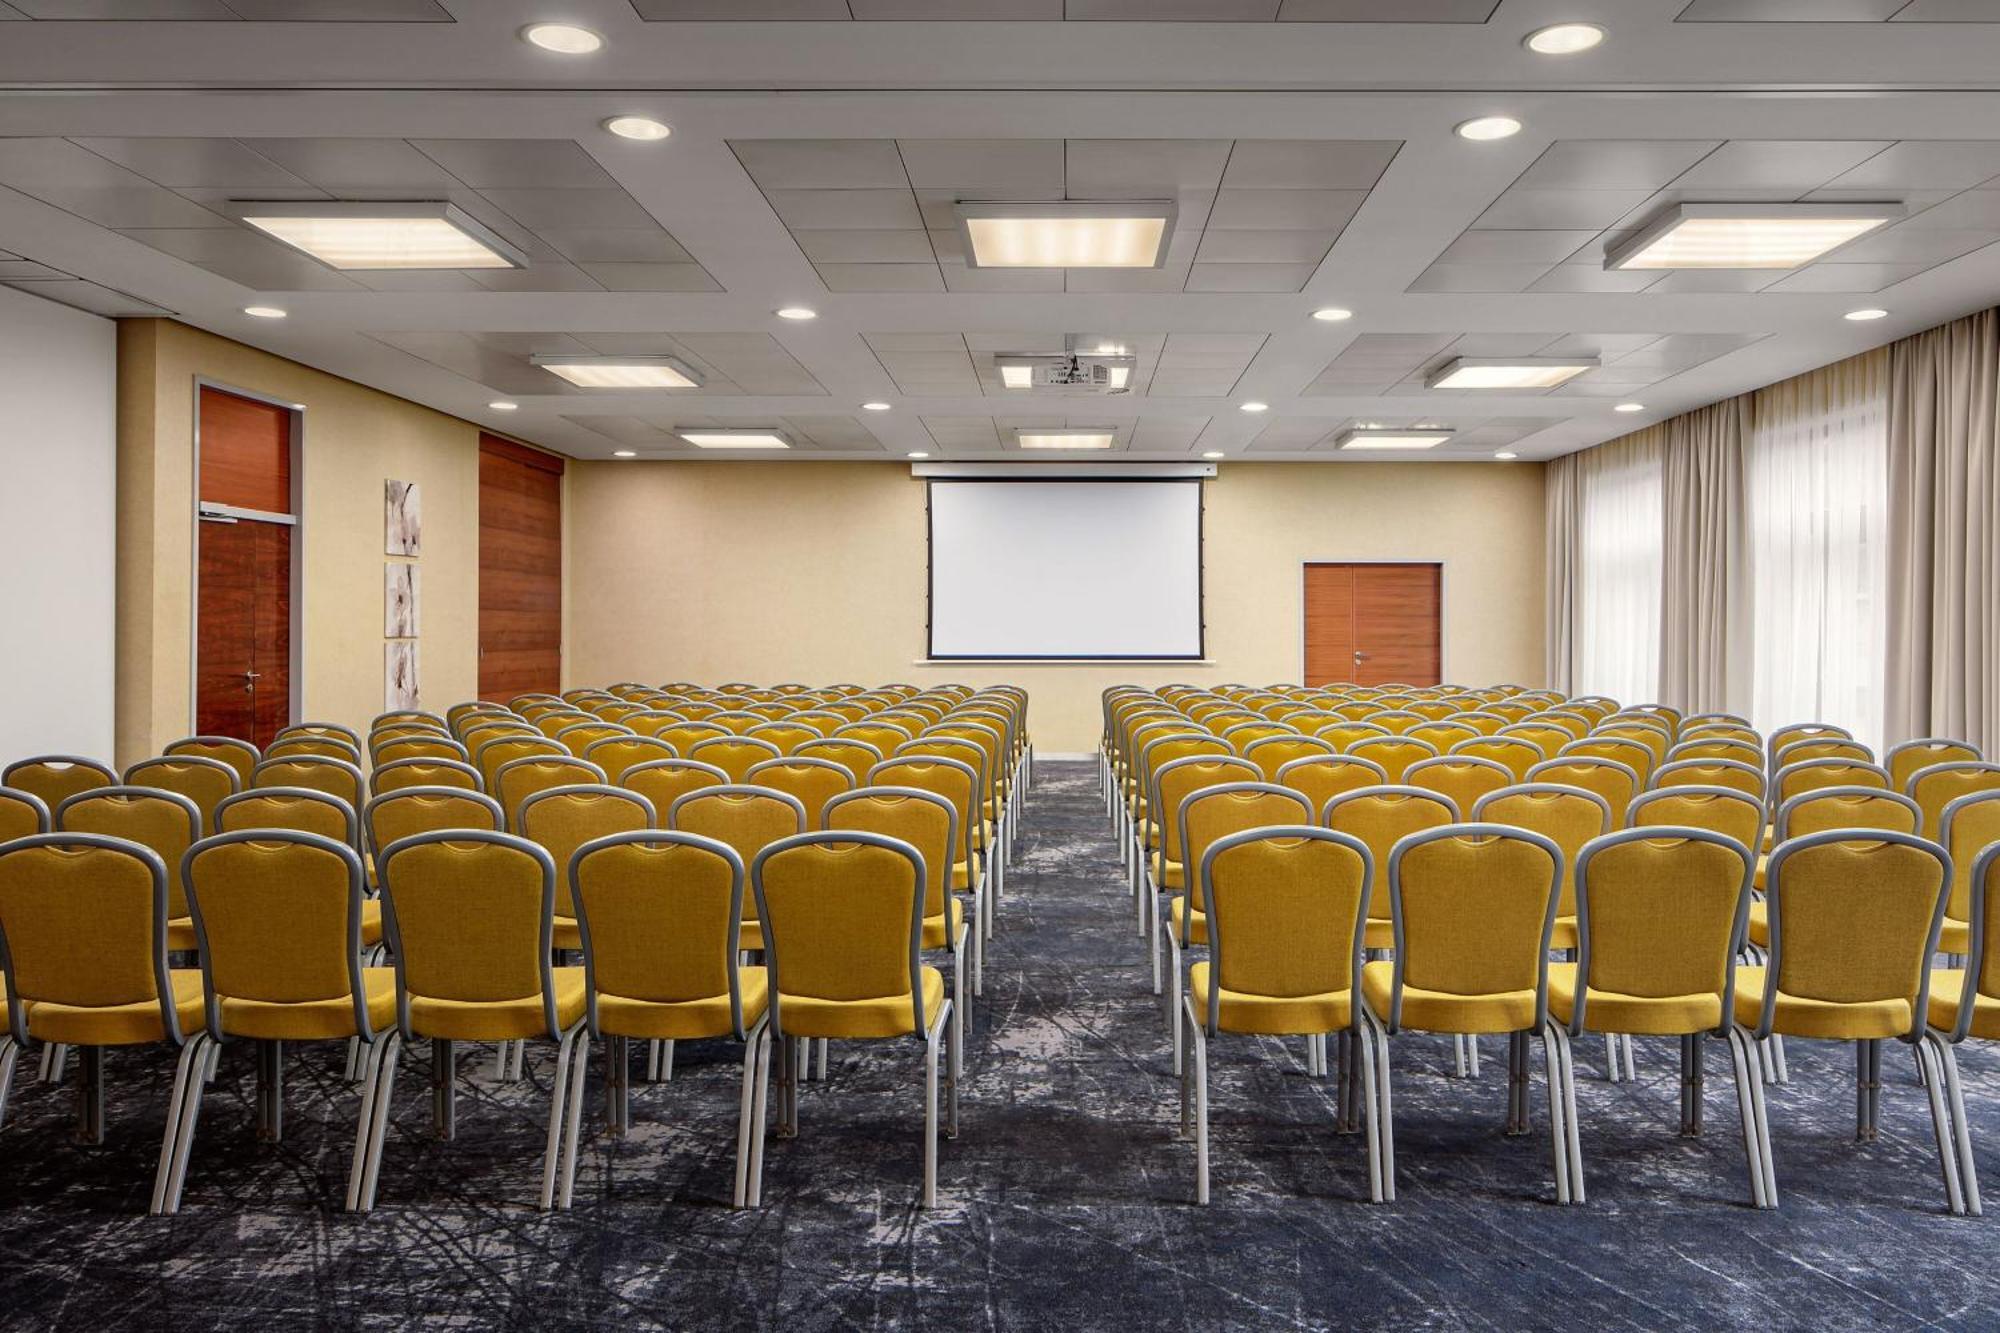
819 144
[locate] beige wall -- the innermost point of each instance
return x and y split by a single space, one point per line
355 439
816 572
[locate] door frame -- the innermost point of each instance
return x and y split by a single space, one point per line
296 415
1444 603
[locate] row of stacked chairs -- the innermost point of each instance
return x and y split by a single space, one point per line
1354 861
640 865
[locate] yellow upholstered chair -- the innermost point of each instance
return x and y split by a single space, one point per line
1547 738
1823 747
745 819
1712 771
1463 778
1321 779
82 929
1970 825
735 720
1144 816
1342 733
1512 753
1905 761
813 781
301 809
1813 774
338 731
1444 735
399 774
313 744
1242 735
1394 753
1965 1002
1286 907
470 918
21 815
1733 748
844 913
583 735
388 749
518 779
206 782
1618 783
407 812
561 819
735 755
489 755
659 913
1733 814
884 736
1775 743
54 778
1472 906
1660 910
664 781
1934 788
1273 752
856 756
335 777
279 915
165 823
1381 817
957 782
1854 920
1627 750
239 755
787 735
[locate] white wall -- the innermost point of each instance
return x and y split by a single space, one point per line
58 400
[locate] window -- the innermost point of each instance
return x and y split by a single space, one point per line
1618 561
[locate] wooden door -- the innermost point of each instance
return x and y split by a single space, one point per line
1373 624
243 574
520 570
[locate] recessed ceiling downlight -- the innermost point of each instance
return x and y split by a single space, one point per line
1485 129
565 39
1863 316
643 128
797 312
1332 314
1564 39
1629 407
264 312
502 405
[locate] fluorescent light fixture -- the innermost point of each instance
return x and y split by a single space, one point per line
916 453
1508 372
1016 374
1629 407
621 372
1564 39
624 453
875 407
502 405
1863 316
1253 407
274 312
797 312
1121 374
1332 314
1485 129
1506 455
1065 437
733 437
351 234
1746 235
565 39
1070 234
1214 453
1375 437
643 128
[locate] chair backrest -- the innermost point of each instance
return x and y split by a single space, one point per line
562 819
1937 786
583 735
1569 817
1473 906
1720 747
1825 809
1970 826
398 774
923 819
22 815
1320 778
1616 782
396 815
813 781
54 778
843 916
664 781
83 921
278 917
335 777
787 735
1394 753
1854 918
313 745
206 782
301 809
164 822
469 916
1823 747
1660 913
489 755
1812 774
239 755
1905 761
1626 750
1982 960
388 749
659 912
748 819
1711 772
1381 817
953 779
1287 913
1513 753
1272 753
856 756
518 779
734 755
1775 743
1544 737
1735 815
1463 778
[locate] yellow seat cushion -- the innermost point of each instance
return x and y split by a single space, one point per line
936 935
1168 875
567 934
884 1016
1272 1014
1763 864
750 937
118 1024
181 936
1443 1011
1758 930
1947 985
1642 1015
1562 933
499 1020
1796 1016
313 1020
1380 933
1197 929
1955 936
961 876
683 1020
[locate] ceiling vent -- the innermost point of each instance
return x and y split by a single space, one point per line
1102 371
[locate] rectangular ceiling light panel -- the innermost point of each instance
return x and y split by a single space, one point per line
1504 372
1065 437
1771 236
733 437
1414 437
621 372
396 235
1067 234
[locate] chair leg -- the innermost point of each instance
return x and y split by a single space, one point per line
1743 1066
1691 1084
824 1056
756 1042
385 1089
1364 1056
271 1091
1459 1068
55 1062
1941 1127
1563 1129
90 1096
352 1070
1779 1072
503 1061
787 1056
954 1071
444 1089
566 1050
1385 1112
666 1062
1197 1060
1768 1161
10 1053
1614 1064
579 1066
617 1086
931 1109
1968 1174
371 1064
187 1086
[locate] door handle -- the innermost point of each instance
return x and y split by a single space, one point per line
1361 657
250 679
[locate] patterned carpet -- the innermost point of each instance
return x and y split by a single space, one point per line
1064 1205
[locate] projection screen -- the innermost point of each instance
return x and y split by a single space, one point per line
1089 569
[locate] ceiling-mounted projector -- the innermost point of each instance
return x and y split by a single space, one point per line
1067 373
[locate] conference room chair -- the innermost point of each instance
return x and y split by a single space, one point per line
580 737
206 782
1905 761
406 728
483 733
1577 724
1481 721
786 735
1395 754
1512 753
1969 826
664 781
1801 751
339 731
1666 717
22 815
400 773
387 750
279 916
1965 1002
1320 778
1380 817
470 918
1286 910
1617 782
54 778
844 913
163 822
1735 774
335 777
957 782
735 755
555 722
559 820
312 746
1398 721
239 755
1814 774
1724 811
82 923
1443 735
301 809
1935 787
1735 749
518 779
747 820
1634 754
1163 870
1495 979
456 717
1343 733
856 756
1547 739
1461 777
660 913
1791 733
1855 966
1146 816
735 720
1659 911
813 782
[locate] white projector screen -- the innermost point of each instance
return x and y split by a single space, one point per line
1100 570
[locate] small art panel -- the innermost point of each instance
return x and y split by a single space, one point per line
402 519
400 585
399 674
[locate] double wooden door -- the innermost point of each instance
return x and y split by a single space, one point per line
243 568
520 570
1373 624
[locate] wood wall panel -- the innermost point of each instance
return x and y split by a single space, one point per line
520 570
1329 624
246 452
1373 624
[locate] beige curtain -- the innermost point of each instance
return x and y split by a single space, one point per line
1559 563
1944 534
1703 602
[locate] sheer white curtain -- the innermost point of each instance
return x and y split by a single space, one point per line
1619 538
1817 516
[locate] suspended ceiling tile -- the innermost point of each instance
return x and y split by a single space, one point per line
537 277
962 432
1477 278
1789 11
1285 210
1559 210
1914 245
1613 164
868 210
1174 11
1010 165
959 278
1224 246
1307 164
615 245
935 10
881 277
652 277
524 164
1777 164
1249 277
738 11
341 164
1515 247
123 207
129 10
1143 168
1716 280
822 164
858 246
246 258
91 297
214 163
1847 277
536 209
1927 164
1386 11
